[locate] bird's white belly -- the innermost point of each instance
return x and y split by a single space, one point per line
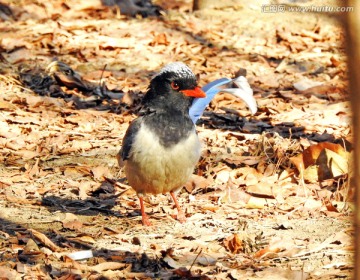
153 168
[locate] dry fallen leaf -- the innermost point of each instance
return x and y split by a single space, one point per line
322 161
42 238
332 164
311 154
100 172
108 266
72 222
235 243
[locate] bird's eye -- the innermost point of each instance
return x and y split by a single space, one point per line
175 85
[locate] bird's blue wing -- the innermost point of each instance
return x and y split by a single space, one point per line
199 104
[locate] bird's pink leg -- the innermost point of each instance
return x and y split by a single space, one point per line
145 218
181 215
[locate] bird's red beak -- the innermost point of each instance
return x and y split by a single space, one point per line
196 92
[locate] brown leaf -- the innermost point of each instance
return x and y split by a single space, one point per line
100 171
27 154
72 172
183 272
18 55
171 262
5 105
247 160
263 189
251 175
84 239
269 252
85 187
209 207
71 221
305 84
234 194
322 161
82 145
320 90
31 246
44 240
159 39
330 206
197 182
8 273
311 174
251 179
69 276
222 177
332 164
258 202
31 252
298 161
108 266
234 244
311 154
34 170
97 74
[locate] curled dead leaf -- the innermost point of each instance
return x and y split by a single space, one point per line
234 244
332 164
329 205
44 240
322 161
311 154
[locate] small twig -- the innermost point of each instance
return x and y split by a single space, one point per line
102 73
195 260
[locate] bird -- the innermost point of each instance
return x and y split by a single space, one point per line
161 147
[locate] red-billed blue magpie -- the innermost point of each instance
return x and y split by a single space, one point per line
161 148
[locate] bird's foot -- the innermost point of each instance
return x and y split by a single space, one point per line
145 220
181 217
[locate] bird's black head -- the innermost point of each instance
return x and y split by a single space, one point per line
174 86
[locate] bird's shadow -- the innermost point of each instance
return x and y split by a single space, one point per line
11 231
236 123
102 200
232 120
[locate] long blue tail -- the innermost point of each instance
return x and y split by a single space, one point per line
199 104
238 87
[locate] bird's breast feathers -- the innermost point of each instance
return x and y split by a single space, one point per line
154 168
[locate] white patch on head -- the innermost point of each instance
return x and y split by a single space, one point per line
178 68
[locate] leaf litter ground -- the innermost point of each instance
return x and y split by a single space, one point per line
267 201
